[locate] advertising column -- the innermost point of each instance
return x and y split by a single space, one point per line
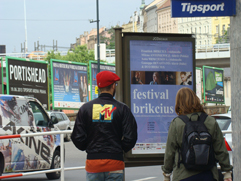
158 69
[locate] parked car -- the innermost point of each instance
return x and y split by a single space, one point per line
63 122
225 124
22 115
229 110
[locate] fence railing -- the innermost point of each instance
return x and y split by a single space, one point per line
111 52
61 169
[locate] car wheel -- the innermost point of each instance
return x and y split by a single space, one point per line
55 164
67 137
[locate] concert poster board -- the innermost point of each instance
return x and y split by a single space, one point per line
69 84
27 78
213 85
154 67
93 69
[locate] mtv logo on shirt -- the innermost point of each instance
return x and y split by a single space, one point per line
102 113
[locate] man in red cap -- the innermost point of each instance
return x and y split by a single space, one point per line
104 128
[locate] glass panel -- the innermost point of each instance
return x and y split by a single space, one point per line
65 116
41 119
59 116
223 123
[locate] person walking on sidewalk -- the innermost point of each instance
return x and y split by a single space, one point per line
187 103
104 128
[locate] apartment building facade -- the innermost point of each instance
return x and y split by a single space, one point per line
90 38
219 27
200 26
131 26
165 23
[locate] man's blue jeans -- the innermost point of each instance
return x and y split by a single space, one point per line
105 176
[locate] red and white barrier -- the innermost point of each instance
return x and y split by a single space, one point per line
62 169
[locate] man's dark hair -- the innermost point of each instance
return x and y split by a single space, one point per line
106 88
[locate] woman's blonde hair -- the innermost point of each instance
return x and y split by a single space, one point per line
187 102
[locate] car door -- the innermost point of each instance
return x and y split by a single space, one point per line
60 121
14 120
66 121
40 147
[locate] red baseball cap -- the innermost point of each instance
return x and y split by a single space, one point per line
105 78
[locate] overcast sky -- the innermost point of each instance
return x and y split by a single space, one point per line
61 20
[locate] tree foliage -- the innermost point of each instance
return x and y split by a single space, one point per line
224 38
79 54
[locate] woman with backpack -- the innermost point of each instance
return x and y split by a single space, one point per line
195 143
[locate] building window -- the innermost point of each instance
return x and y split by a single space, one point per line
200 30
207 29
195 30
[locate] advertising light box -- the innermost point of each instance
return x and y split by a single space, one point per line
213 85
93 65
158 68
69 84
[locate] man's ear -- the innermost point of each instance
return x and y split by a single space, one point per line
113 85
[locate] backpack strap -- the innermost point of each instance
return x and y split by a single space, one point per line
203 116
184 118
179 157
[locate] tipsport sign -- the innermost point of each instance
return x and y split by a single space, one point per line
203 8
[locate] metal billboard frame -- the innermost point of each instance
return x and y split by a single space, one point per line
198 68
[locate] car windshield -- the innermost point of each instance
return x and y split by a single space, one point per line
223 122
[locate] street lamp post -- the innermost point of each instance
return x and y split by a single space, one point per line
98 39
26 44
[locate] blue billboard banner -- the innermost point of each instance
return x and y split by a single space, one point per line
203 8
69 84
93 73
158 69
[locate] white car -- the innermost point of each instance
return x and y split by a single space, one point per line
22 115
63 122
225 124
